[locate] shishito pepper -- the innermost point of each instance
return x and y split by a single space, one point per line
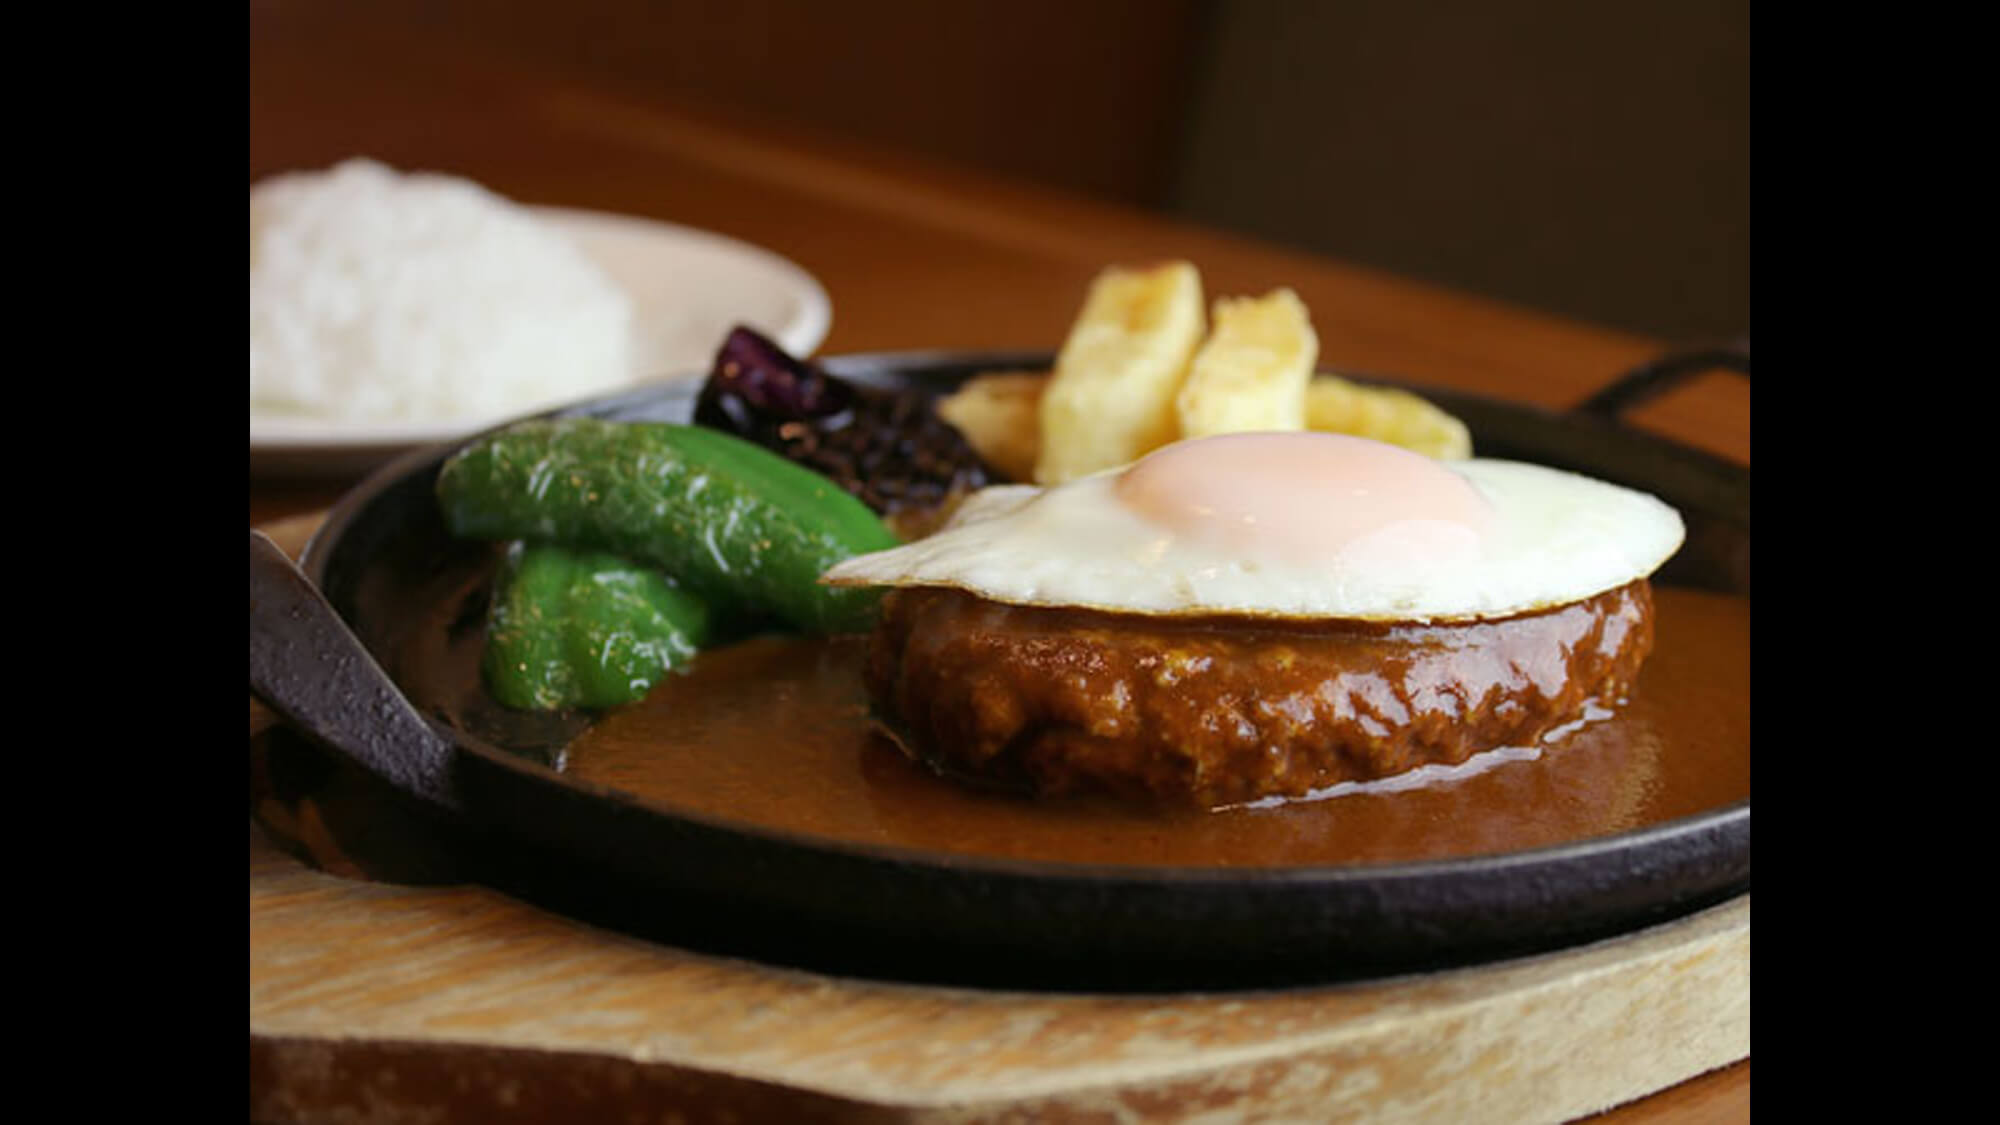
573 628
739 526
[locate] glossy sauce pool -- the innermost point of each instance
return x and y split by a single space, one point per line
773 733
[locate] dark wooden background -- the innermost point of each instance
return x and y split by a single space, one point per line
1586 159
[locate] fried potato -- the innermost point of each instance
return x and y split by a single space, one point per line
1140 369
1111 398
999 413
1388 414
1251 373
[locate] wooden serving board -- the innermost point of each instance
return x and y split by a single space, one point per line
390 1003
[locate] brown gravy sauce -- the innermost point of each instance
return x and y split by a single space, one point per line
774 733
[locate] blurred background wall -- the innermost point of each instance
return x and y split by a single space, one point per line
1587 159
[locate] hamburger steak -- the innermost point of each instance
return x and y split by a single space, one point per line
1220 711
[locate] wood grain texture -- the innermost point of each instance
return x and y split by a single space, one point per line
337 964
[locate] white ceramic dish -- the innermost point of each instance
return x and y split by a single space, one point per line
688 288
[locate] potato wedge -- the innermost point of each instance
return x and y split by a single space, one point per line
999 413
1111 398
1252 371
1389 414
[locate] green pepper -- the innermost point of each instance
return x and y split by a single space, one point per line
571 628
740 526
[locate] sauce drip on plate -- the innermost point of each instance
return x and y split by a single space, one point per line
774 734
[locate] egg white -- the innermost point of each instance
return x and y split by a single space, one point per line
1556 537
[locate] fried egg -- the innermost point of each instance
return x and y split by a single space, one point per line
1299 525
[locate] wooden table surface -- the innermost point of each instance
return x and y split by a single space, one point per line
914 255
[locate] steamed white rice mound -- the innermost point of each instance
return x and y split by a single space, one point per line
380 297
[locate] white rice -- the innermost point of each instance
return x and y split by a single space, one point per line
382 297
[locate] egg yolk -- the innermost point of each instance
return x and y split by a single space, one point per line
1306 497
